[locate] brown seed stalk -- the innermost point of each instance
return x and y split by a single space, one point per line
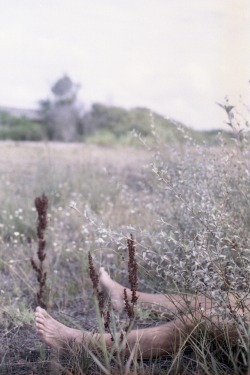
99 295
133 280
132 268
95 282
41 204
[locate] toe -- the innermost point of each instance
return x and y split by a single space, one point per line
39 309
39 327
39 320
41 313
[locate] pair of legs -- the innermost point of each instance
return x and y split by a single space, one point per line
150 342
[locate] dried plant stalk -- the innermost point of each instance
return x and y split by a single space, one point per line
133 280
132 268
95 282
41 204
99 295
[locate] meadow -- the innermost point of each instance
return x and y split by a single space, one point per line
187 206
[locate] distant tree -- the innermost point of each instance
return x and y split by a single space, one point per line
65 90
63 113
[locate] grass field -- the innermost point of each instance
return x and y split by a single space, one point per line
187 206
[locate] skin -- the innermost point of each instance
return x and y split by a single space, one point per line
149 342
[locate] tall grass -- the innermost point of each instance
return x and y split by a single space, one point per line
187 206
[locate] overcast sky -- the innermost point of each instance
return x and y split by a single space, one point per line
177 57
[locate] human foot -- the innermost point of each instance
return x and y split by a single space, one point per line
54 333
114 290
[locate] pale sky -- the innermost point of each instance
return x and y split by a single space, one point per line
176 57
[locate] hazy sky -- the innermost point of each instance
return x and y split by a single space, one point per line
177 57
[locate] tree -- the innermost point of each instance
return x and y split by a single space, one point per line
63 113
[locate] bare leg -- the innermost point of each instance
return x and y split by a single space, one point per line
147 343
171 304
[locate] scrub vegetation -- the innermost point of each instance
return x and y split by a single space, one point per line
186 206
62 117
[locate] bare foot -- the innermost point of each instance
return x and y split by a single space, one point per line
113 289
54 333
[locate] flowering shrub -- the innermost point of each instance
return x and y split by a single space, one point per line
203 233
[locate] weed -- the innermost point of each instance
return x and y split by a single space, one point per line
41 204
188 208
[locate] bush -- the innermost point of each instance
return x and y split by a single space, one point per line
20 129
102 138
120 122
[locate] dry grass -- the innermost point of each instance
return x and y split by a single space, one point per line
193 210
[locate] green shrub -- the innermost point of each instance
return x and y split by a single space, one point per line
27 132
20 129
102 137
120 122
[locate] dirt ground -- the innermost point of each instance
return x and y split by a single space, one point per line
21 350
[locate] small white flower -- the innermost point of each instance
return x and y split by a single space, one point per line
99 240
110 256
72 204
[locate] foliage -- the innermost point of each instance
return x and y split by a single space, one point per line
187 206
41 204
62 114
119 122
20 129
64 119
107 125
